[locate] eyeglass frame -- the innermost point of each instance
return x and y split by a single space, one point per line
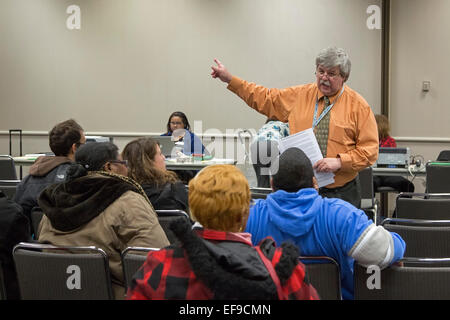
321 73
122 162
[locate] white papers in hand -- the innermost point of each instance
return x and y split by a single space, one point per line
306 141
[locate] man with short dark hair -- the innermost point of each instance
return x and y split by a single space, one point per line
320 226
64 139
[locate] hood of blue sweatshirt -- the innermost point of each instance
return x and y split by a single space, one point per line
294 213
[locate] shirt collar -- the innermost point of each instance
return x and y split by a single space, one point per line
217 235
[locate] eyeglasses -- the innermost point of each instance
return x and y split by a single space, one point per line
330 75
176 123
123 162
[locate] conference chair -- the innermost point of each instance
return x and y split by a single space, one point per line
167 217
438 177
423 238
324 275
9 188
427 206
444 155
7 168
132 259
259 193
48 272
417 279
368 201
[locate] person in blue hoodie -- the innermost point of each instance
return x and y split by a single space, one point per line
320 226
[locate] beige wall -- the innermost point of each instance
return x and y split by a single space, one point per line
134 62
420 51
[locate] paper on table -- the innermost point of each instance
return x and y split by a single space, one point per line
306 141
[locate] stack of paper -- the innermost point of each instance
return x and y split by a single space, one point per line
306 141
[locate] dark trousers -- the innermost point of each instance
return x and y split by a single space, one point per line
263 153
350 192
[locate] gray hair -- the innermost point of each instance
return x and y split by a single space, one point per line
332 57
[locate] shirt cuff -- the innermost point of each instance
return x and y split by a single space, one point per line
234 84
346 161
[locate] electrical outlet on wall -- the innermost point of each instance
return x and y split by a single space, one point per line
426 86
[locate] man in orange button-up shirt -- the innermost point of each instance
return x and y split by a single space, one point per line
352 136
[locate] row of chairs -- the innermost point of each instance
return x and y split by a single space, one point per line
47 272
408 204
423 221
65 273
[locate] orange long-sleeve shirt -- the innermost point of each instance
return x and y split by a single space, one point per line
353 133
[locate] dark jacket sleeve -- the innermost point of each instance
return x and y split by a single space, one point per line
14 228
26 195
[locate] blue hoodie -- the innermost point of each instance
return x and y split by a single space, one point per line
318 226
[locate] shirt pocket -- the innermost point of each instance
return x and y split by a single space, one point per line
343 135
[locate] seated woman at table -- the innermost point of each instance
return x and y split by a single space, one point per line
400 184
147 166
179 128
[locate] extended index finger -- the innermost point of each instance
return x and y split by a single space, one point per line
218 62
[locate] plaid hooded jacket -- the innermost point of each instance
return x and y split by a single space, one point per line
219 265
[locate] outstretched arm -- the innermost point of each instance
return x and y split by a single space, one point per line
274 103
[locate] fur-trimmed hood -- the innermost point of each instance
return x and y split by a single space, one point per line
69 205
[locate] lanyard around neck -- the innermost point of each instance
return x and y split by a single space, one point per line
324 112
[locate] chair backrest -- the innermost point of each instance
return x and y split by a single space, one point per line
2 284
36 217
132 259
430 282
423 238
425 206
9 187
47 272
366 181
7 168
444 155
368 202
260 193
324 275
167 217
438 177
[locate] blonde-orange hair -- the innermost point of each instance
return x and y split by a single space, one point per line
219 197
